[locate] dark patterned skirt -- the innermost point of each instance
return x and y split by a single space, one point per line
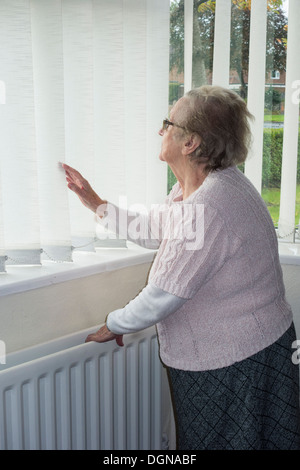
252 404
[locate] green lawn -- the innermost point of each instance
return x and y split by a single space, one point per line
274 117
272 198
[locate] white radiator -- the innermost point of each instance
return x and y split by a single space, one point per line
67 394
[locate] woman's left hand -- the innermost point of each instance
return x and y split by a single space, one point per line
103 335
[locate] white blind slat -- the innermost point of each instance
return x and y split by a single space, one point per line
109 90
221 61
256 88
48 67
78 56
188 44
291 125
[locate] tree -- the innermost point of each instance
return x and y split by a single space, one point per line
203 32
203 38
276 35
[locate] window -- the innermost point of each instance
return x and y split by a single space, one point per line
275 75
247 45
86 82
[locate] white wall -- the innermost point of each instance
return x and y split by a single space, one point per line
291 276
39 315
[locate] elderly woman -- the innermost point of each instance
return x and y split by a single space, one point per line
224 326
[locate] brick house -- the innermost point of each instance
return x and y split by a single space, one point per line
275 79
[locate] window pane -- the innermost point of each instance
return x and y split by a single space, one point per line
203 47
274 108
261 86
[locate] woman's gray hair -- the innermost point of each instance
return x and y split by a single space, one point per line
221 118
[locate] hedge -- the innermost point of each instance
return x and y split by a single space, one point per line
272 158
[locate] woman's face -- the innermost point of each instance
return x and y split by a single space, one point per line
172 138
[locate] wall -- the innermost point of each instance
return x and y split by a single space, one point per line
39 315
291 276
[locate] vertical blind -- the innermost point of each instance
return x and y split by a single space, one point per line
256 92
83 82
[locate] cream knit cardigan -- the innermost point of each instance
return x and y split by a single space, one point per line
224 293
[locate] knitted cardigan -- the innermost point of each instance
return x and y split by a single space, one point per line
217 250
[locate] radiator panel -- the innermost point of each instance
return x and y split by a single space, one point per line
86 396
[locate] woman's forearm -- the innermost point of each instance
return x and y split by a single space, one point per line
149 307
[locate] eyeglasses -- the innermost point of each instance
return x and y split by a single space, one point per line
167 123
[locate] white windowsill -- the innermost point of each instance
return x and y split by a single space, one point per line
289 252
23 278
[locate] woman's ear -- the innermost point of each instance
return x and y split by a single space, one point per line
191 142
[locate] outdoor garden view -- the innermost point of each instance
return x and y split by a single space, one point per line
203 37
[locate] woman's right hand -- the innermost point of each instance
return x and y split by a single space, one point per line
82 188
